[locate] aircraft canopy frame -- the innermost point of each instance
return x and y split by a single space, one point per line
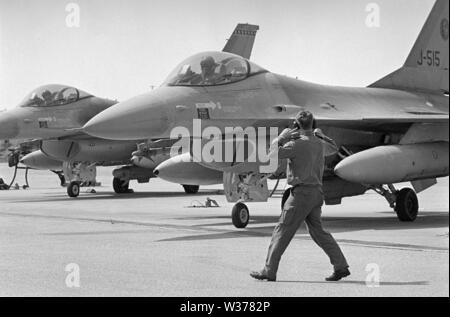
212 69
52 96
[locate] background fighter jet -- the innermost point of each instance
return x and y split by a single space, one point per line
394 131
50 115
53 114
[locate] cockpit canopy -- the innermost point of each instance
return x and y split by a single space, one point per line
53 95
212 69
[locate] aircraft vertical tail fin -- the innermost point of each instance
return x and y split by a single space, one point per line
426 68
242 40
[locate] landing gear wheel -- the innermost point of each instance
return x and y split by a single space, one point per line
120 187
407 205
240 215
73 190
285 197
191 189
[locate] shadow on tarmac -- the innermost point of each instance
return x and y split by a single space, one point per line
333 224
87 196
343 224
362 283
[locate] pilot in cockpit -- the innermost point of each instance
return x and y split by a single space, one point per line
208 65
47 96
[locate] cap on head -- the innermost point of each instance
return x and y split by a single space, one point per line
305 120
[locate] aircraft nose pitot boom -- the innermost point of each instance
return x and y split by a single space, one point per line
138 118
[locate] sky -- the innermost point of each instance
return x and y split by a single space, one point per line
121 48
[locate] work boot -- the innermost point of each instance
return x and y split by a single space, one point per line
338 275
262 275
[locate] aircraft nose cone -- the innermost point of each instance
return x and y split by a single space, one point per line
9 127
138 118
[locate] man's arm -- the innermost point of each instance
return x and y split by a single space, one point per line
286 136
283 152
283 146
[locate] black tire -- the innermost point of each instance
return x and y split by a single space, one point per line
120 187
407 205
73 190
191 189
240 215
285 197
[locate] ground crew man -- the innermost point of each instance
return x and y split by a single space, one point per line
305 150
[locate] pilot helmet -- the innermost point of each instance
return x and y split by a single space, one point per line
208 62
46 94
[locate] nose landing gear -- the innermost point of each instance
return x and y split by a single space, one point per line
73 190
240 215
79 174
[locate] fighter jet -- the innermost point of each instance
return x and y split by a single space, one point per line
54 114
394 131
51 115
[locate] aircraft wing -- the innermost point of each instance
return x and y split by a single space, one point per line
242 40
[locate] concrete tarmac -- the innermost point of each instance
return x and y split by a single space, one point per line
153 243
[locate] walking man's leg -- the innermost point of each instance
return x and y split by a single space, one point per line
326 241
292 216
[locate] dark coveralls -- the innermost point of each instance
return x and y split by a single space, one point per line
306 160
